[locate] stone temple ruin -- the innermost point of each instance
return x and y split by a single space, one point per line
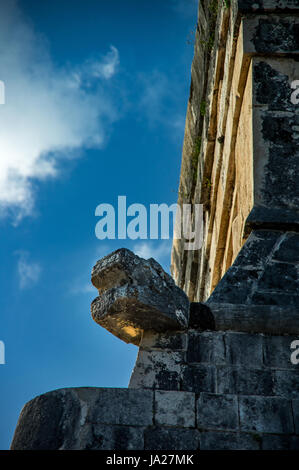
214 367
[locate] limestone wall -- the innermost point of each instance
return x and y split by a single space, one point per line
233 159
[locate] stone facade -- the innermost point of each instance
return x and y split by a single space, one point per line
240 154
189 390
216 375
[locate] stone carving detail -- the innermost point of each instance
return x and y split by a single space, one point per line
136 295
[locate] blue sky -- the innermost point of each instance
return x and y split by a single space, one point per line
96 95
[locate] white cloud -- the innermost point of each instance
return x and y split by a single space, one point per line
155 90
50 112
160 251
159 101
29 272
108 66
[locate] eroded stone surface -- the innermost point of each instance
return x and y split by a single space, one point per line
274 34
247 162
175 408
85 418
265 273
253 6
124 267
266 414
136 295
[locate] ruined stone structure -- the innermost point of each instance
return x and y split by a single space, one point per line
240 154
214 368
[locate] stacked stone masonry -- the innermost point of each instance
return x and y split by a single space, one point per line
240 153
213 375
189 390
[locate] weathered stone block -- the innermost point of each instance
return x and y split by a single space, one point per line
286 383
124 267
276 442
206 347
47 422
136 295
270 35
266 414
277 351
288 248
172 341
175 409
275 133
279 277
250 6
199 378
271 319
167 380
235 286
240 380
171 439
227 441
295 406
244 349
76 418
105 437
117 406
280 300
157 369
217 411
262 216
257 248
